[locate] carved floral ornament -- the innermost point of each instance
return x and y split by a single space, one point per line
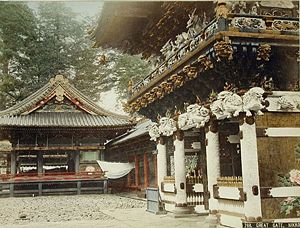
248 23
285 25
227 105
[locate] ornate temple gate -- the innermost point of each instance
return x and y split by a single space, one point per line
230 65
237 151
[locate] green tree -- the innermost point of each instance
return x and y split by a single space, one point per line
114 70
17 30
35 47
59 36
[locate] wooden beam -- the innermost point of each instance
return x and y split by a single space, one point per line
49 148
261 37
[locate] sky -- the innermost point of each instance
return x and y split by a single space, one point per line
109 100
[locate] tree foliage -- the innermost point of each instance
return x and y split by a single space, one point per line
115 70
17 26
35 46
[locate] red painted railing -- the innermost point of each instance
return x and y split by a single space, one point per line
51 176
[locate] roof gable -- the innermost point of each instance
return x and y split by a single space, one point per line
54 105
57 92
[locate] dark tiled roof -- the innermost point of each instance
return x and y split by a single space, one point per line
139 130
61 120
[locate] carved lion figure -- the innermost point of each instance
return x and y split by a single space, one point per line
228 104
253 101
153 131
196 116
233 104
167 126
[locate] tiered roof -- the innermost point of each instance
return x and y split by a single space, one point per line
144 27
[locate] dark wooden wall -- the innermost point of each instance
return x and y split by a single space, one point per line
276 157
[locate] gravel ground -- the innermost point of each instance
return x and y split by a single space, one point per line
62 208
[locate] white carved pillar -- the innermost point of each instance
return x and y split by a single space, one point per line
161 162
180 176
250 172
213 169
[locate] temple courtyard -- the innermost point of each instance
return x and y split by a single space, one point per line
105 210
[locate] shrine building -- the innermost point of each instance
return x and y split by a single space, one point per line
50 141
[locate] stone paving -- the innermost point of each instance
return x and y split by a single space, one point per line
86 211
62 208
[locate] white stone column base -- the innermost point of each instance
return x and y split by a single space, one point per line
184 212
212 220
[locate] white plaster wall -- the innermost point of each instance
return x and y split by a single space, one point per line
229 193
169 197
231 206
169 187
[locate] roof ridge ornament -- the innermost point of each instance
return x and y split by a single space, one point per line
59 79
59 93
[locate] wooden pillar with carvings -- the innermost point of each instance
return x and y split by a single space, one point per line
137 171
213 168
250 171
146 171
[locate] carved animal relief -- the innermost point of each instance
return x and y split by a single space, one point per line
167 126
153 131
195 117
229 104
288 103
